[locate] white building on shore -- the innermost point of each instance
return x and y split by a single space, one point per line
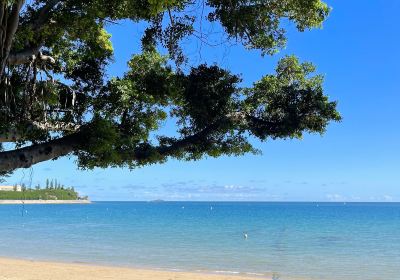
17 188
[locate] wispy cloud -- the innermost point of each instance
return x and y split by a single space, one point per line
388 198
213 188
336 197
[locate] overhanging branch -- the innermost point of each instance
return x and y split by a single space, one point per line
28 156
29 55
14 135
57 126
11 135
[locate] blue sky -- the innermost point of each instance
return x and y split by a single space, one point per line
356 160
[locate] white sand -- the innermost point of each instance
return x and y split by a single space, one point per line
11 269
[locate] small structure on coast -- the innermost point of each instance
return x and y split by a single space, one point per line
16 188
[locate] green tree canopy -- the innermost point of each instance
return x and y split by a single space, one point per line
56 99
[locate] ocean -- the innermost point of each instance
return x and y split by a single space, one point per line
355 241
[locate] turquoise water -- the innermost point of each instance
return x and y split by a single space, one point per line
308 240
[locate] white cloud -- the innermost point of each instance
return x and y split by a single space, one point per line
233 187
336 197
388 198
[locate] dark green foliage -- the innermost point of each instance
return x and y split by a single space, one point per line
115 121
208 95
288 103
258 22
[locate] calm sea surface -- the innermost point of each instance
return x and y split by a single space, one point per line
309 240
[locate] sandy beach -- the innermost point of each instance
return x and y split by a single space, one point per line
11 269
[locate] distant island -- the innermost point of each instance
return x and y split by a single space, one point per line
53 192
157 201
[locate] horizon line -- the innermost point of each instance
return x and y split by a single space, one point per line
246 201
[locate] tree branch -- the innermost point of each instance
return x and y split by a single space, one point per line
44 14
14 135
11 135
57 126
28 156
33 53
23 56
12 25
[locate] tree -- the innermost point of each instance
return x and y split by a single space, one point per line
56 99
47 184
51 185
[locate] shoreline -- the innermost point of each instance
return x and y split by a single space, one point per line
45 202
18 269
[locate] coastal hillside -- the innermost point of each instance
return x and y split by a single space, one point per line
52 191
42 194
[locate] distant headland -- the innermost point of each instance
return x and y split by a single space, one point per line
80 201
53 193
